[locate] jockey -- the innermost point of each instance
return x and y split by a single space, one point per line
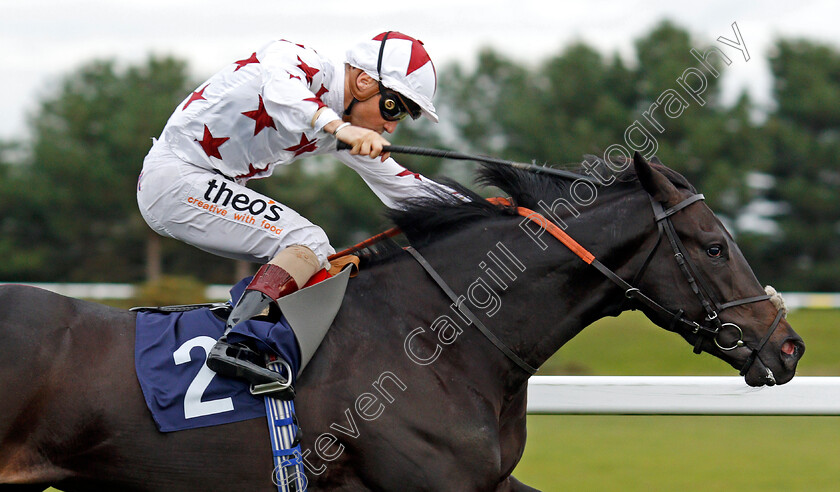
281 103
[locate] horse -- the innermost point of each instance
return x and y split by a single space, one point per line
405 392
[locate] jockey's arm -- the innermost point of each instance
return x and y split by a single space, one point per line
391 182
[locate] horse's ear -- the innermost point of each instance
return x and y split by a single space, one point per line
654 182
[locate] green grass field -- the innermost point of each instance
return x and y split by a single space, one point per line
684 453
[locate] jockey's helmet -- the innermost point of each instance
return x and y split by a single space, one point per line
399 63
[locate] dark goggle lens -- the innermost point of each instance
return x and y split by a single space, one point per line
393 109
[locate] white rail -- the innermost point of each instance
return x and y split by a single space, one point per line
115 291
681 395
793 300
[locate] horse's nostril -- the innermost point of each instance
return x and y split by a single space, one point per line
789 348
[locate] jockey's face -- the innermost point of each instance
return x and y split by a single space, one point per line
367 115
365 111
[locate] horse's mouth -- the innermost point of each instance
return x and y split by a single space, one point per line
761 375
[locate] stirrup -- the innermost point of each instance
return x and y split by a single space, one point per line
240 361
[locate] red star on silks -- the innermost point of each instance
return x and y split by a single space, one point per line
409 173
246 61
252 171
323 90
306 69
261 116
419 57
195 97
211 144
316 100
304 146
294 77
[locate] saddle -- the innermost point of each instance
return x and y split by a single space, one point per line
309 313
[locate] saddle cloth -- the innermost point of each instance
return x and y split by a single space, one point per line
180 390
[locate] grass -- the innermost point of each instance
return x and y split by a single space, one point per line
685 453
680 453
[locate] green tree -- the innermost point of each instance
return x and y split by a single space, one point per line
574 103
89 140
70 213
580 101
20 245
805 137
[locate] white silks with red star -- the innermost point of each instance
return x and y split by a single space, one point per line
256 114
252 116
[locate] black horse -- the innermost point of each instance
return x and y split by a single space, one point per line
404 393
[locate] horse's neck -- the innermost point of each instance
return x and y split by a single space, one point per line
536 299
533 299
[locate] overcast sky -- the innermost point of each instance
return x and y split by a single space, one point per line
40 40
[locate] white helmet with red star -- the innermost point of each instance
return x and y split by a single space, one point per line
401 63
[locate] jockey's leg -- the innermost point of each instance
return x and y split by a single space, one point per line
284 274
281 276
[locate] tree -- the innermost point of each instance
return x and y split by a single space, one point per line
580 101
554 113
89 140
22 251
70 213
805 135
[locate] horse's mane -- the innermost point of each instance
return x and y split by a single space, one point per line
423 219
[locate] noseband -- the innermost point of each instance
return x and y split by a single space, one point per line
711 327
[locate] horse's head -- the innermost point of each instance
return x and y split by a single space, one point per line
696 272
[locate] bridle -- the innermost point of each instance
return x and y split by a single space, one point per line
711 327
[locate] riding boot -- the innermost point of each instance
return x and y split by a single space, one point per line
242 360
269 284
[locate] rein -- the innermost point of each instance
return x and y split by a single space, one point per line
469 314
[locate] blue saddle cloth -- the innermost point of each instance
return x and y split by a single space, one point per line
181 392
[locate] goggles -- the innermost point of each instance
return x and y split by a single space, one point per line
393 107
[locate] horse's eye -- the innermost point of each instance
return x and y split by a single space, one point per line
715 251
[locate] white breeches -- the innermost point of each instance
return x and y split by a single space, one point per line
213 213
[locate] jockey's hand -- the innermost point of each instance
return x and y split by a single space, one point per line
364 141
